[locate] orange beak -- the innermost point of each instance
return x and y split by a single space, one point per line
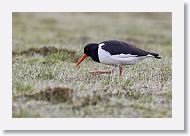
84 56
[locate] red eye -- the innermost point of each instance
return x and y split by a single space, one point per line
86 49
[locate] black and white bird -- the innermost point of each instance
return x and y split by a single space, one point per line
116 53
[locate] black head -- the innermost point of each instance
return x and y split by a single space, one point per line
90 48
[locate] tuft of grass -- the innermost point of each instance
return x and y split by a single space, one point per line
22 113
23 88
47 54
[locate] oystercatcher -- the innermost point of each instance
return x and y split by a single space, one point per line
116 53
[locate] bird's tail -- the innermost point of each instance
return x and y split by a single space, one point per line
155 55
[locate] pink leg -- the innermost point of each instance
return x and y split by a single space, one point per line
120 71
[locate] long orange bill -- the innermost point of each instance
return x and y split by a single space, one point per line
84 56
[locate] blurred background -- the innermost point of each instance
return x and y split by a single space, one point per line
74 30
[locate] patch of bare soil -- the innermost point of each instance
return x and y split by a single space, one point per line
51 52
52 95
43 51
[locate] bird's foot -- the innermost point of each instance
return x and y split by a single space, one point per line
98 72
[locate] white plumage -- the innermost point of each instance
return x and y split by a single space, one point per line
121 59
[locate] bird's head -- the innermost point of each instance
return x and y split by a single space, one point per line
89 50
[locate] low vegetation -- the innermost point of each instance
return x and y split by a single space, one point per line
45 82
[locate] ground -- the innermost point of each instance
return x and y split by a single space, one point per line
46 83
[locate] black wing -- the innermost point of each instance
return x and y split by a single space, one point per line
118 47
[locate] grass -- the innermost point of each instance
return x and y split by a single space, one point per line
46 47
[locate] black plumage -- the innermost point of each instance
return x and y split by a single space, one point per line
115 47
92 51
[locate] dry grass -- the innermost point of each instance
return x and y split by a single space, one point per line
46 83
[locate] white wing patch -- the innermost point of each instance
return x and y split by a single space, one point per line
149 55
125 55
121 59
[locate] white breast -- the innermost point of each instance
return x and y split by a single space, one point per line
121 59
